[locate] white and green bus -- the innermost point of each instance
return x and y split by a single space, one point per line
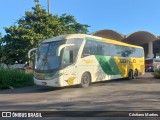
82 59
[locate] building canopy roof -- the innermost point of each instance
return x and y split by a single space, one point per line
140 38
109 34
136 38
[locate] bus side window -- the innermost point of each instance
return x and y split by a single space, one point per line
68 57
100 49
71 57
87 49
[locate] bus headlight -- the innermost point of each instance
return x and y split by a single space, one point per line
47 76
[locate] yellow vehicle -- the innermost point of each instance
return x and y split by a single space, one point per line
82 59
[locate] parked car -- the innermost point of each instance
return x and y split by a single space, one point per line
151 64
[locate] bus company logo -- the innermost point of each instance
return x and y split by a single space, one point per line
6 114
127 60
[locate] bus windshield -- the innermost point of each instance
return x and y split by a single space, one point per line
47 58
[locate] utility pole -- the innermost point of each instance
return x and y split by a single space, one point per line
36 1
48 6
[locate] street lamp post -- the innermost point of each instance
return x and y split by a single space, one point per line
48 6
36 1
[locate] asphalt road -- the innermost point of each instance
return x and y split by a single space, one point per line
116 95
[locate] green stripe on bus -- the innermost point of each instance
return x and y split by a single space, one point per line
108 65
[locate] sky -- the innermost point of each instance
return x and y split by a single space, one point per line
124 16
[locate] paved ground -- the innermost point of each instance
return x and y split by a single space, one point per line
117 95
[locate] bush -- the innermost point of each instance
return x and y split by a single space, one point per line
157 73
15 78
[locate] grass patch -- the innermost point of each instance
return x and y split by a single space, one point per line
15 79
157 73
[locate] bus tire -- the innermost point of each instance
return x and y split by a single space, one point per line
135 74
85 80
130 75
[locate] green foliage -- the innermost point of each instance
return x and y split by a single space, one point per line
14 78
1 49
157 73
0 35
34 27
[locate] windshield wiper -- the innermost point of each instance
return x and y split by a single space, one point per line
43 63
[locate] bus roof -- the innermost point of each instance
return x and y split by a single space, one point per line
119 43
69 36
100 39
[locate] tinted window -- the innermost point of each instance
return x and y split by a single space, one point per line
46 56
101 48
88 48
71 52
94 49
108 49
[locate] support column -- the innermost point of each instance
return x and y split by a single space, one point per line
150 49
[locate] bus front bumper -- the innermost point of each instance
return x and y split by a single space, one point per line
53 83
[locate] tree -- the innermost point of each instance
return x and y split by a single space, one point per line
34 27
0 38
0 47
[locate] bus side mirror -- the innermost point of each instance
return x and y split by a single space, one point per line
29 52
61 47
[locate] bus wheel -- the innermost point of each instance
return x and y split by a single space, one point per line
130 75
85 80
135 75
